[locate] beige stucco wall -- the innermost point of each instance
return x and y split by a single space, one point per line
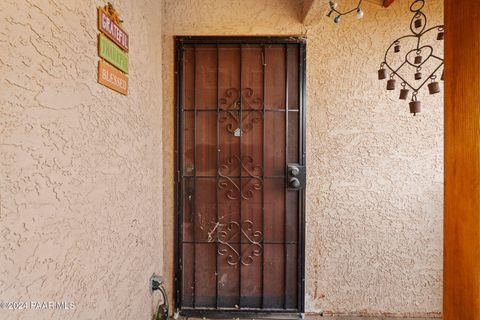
80 165
375 173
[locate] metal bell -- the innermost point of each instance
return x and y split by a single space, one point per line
418 23
440 35
434 87
382 74
391 84
418 76
396 49
404 94
415 107
418 59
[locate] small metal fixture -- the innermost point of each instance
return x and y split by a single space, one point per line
420 54
418 23
440 34
418 59
338 14
434 86
418 74
404 92
157 283
296 176
391 84
415 107
382 73
397 47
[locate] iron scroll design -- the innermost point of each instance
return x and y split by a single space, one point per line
232 104
422 55
240 110
225 233
233 189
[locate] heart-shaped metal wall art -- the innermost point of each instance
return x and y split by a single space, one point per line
417 58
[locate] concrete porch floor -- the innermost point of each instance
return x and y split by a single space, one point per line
317 317
363 318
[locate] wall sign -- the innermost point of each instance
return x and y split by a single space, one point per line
112 53
113 63
112 78
111 29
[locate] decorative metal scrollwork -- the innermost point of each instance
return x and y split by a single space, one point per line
232 105
225 235
415 57
233 189
231 101
247 163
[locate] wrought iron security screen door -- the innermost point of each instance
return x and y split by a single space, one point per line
240 161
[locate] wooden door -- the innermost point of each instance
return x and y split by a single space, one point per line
241 175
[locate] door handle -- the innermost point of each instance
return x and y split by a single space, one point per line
296 176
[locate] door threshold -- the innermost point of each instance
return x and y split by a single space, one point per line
236 314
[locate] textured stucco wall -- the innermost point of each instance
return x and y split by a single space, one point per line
80 165
375 173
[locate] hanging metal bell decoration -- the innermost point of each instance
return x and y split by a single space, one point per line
404 94
382 74
418 23
440 35
434 87
415 107
391 84
418 59
418 76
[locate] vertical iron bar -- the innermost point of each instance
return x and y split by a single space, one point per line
264 68
240 184
301 161
301 224
286 179
179 190
194 173
218 166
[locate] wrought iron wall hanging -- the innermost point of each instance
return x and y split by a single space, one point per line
333 9
416 58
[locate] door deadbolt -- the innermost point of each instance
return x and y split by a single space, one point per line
295 176
294 183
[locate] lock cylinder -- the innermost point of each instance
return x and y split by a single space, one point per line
295 176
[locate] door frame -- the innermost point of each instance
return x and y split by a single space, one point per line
180 41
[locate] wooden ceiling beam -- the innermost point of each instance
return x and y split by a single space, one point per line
383 3
386 3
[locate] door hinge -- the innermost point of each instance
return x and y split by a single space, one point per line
178 176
